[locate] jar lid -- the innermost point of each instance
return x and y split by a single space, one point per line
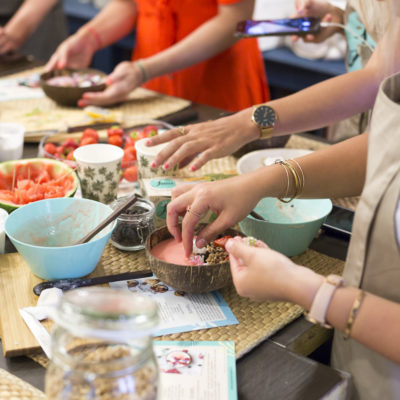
146 205
106 313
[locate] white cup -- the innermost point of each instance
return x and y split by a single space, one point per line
98 168
11 141
3 217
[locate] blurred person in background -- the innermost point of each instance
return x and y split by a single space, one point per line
32 27
183 48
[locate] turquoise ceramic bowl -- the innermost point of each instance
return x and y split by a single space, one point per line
43 232
289 227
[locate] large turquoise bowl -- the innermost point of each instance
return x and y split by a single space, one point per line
288 227
43 233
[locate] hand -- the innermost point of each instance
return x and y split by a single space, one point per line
323 10
231 199
75 52
213 139
7 43
264 274
125 77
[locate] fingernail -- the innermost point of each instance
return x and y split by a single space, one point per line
60 65
153 164
166 166
109 81
193 168
200 243
147 143
82 103
229 244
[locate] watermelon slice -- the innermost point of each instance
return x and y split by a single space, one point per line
28 180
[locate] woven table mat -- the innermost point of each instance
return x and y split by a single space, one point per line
38 114
13 388
257 321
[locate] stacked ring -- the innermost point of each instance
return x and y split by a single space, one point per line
182 130
189 210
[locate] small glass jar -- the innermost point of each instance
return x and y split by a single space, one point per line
102 346
134 225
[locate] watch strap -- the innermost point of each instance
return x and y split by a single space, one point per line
322 300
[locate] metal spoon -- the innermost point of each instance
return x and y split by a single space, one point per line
110 218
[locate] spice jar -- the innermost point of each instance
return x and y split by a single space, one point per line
102 346
134 225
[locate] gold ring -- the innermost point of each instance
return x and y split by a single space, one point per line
182 130
196 214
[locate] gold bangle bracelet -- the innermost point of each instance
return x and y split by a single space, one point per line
282 198
303 179
295 178
353 313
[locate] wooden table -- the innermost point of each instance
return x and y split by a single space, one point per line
277 368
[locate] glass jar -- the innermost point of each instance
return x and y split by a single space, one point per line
134 225
102 346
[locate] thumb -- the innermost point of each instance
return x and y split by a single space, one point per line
237 248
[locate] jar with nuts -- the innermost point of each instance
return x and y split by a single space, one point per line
102 346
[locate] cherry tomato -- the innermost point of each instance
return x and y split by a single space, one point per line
89 132
221 242
130 153
129 141
71 143
116 140
50 148
115 130
131 173
87 140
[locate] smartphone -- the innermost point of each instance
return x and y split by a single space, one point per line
340 221
273 27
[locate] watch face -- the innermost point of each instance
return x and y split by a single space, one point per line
264 116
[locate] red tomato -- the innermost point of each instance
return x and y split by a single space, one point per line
71 144
87 140
70 156
89 132
50 148
129 141
116 140
115 130
130 153
221 242
134 135
150 130
131 173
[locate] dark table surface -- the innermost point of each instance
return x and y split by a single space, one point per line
277 368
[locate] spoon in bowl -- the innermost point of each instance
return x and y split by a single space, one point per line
132 200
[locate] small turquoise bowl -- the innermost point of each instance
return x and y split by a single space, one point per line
43 233
288 227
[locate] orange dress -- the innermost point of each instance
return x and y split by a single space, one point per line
232 80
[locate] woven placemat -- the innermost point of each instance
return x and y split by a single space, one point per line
257 321
43 113
13 388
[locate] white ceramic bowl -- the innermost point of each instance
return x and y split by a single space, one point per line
260 158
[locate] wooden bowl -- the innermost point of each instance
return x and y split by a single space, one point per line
188 278
68 95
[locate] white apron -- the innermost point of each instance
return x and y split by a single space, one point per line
373 261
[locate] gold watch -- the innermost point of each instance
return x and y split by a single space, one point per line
265 118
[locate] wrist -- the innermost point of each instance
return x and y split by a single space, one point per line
142 70
91 37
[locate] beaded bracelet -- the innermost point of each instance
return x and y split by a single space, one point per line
140 65
353 313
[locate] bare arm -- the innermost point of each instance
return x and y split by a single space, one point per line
24 22
267 275
206 41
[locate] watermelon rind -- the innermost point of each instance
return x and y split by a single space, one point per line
7 167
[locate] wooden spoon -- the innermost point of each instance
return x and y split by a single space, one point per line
132 200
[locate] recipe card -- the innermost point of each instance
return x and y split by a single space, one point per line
196 370
180 311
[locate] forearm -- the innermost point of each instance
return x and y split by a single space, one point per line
208 40
377 323
27 19
113 22
337 171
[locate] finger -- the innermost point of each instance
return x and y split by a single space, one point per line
202 159
163 156
213 229
187 149
110 95
186 162
180 189
164 137
193 215
240 250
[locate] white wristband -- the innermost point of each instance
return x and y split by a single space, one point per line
322 300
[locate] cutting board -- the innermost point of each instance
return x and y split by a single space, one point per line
16 284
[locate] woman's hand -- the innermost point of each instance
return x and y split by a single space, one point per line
213 139
7 43
125 77
75 52
231 199
264 274
323 10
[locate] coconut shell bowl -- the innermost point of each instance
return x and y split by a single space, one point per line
188 278
69 94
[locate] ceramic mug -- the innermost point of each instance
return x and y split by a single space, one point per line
98 168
